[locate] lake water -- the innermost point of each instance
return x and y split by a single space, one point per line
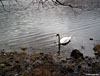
37 29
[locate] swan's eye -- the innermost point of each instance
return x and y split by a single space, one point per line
57 35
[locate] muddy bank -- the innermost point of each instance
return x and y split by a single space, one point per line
41 64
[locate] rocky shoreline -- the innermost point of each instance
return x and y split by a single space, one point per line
41 64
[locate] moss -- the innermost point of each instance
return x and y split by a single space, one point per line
97 48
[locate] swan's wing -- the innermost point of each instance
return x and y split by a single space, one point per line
65 40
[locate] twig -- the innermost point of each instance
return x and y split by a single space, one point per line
3 6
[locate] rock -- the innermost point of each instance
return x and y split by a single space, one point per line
16 61
63 70
63 61
2 65
79 67
86 57
16 74
90 38
68 69
97 49
96 54
24 48
7 64
37 62
76 54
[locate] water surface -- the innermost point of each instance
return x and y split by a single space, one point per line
37 29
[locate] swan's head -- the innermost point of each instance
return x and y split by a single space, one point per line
57 34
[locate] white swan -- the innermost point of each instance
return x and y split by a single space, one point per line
63 41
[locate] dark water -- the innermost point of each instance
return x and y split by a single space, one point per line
37 29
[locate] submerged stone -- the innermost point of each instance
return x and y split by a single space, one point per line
90 38
24 48
76 54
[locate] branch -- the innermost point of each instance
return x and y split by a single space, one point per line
3 6
32 2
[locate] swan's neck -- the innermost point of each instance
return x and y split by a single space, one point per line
58 39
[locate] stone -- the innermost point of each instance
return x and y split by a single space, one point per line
2 65
76 54
90 38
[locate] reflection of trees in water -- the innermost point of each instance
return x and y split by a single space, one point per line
3 5
21 3
82 4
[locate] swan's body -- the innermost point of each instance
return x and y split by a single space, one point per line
63 41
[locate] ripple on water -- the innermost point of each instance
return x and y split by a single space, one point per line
39 29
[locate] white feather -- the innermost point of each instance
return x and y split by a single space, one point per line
65 40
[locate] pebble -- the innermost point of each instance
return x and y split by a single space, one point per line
2 65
